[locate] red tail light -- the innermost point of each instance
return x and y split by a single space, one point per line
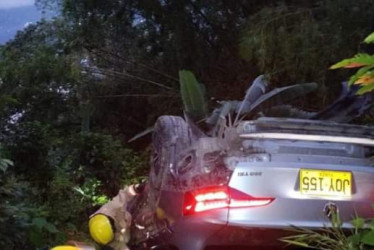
220 197
240 199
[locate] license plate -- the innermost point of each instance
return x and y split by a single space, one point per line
325 183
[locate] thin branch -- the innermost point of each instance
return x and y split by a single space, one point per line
135 95
90 48
124 74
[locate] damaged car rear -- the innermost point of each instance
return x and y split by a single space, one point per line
245 186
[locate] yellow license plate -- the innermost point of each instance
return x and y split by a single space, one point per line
325 183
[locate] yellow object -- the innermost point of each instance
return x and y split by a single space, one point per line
160 213
65 248
100 229
317 183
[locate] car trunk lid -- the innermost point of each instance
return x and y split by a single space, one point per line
306 178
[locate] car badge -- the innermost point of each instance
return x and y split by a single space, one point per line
329 209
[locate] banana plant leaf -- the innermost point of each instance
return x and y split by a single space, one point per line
288 111
262 102
348 106
192 95
280 95
255 91
197 132
227 107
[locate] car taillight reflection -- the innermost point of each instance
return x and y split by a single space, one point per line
220 197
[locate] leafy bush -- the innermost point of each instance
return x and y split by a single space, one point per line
365 75
335 238
105 158
298 42
14 213
17 208
88 169
71 176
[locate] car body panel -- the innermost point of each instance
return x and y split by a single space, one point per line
267 167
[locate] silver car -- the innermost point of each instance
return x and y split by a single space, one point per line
245 189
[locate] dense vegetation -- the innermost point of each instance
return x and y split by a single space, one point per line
74 89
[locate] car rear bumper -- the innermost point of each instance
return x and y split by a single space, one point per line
208 231
214 237
193 232
248 238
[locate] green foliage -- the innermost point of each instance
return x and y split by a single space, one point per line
64 204
28 144
42 233
253 93
334 237
75 174
365 75
284 41
358 60
71 88
17 209
105 158
369 38
4 164
261 104
89 191
299 42
192 95
280 95
288 111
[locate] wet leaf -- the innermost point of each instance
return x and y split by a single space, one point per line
354 65
359 73
365 89
369 38
358 222
353 240
8 162
368 238
4 164
361 59
295 243
365 79
192 95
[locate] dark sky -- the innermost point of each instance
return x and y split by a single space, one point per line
13 18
